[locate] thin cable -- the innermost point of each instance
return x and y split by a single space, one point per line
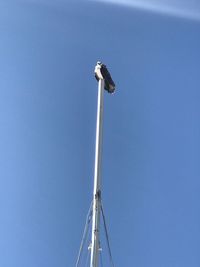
87 260
101 259
88 219
88 241
107 237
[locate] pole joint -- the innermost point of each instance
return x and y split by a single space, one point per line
98 195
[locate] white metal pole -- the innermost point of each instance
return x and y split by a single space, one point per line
97 173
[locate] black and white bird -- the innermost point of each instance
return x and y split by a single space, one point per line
101 72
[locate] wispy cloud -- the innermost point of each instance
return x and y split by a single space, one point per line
189 9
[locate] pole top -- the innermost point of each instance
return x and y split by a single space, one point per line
101 72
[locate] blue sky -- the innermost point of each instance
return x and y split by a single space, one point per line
178 8
151 145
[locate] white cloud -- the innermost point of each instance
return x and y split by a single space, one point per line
180 8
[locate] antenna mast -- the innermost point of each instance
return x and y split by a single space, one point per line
104 82
97 187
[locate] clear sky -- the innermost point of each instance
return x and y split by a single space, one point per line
151 185
178 8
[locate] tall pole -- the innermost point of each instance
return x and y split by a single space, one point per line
97 179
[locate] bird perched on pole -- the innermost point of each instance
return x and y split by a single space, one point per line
101 72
